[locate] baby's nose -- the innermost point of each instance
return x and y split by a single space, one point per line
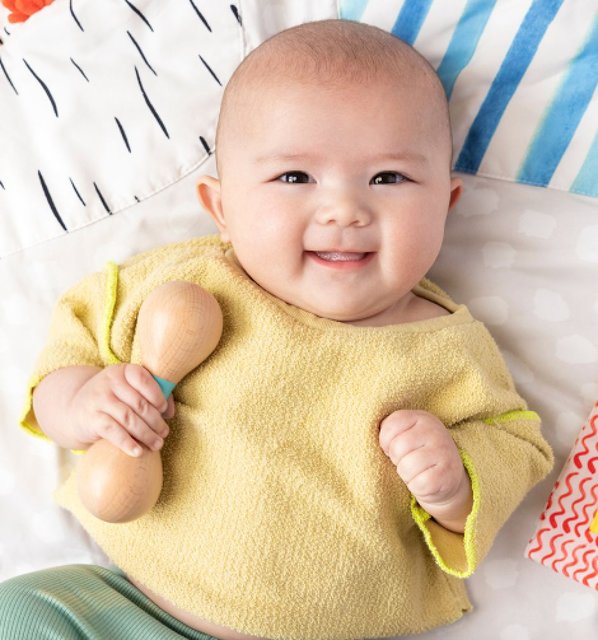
344 211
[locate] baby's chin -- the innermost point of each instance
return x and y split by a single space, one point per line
335 307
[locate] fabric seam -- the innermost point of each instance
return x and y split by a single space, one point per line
111 293
510 416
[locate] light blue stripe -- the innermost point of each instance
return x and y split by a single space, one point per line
352 9
563 115
520 54
464 41
165 386
410 19
586 182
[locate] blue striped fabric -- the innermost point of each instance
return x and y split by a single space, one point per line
563 116
464 41
586 181
353 9
516 62
521 78
410 20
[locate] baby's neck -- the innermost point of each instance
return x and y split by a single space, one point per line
411 308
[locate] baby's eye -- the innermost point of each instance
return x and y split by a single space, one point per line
388 177
295 177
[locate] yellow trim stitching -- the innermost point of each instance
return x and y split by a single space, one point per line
111 295
111 292
31 428
512 415
421 516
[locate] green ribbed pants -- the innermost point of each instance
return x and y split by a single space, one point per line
83 602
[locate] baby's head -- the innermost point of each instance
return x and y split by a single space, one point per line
334 155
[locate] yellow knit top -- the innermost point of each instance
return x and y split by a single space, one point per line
280 515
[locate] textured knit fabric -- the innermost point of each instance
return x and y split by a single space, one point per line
280 515
83 601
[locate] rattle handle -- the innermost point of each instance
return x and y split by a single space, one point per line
179 325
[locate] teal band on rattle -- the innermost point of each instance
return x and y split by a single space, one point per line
165 385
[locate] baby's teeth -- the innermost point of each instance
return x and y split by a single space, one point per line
336 256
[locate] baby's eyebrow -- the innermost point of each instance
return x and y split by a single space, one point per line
400 156
282 157
381 157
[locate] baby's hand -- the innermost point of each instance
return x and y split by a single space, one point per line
428 461
124 405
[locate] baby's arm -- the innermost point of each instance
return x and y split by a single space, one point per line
75 406
428 461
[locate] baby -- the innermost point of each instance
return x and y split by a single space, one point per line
348 453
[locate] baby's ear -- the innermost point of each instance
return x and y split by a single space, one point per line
210 198
456 190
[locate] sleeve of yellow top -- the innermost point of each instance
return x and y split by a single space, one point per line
454 553
504 456
79 334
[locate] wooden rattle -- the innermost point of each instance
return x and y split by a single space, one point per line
178 326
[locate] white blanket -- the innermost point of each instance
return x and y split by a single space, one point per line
524 258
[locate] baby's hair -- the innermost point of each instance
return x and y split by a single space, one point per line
333 53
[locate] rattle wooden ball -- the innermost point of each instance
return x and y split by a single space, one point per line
178 326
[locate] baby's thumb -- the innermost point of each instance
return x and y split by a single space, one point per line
170 409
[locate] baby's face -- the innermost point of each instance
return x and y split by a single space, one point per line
335 200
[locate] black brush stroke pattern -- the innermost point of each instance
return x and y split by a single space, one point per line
136 10
236 13
74 16
207 66
151 106
149 66
77 192
44 86
2 185
79 69
8 77
123 134
50 201
104 203
200 16
206 146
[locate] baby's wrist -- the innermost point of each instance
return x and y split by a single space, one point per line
77 419
452 514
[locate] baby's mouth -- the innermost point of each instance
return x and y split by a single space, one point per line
340 256
343 260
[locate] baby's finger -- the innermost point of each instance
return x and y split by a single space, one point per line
170 411
393 425
142 381
136 426
109 429
430 478
416 467
404 444
147 412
